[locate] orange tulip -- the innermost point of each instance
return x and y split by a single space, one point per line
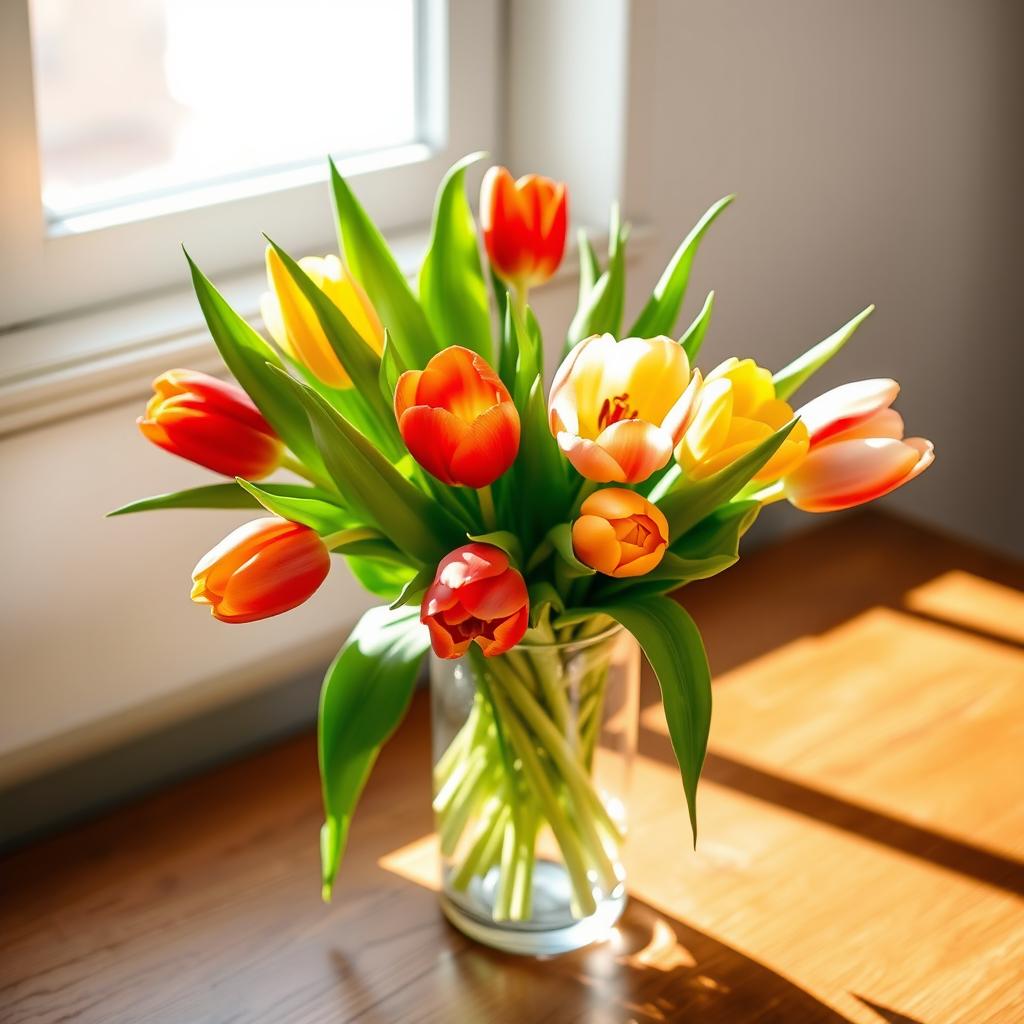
210 422
738 410
458 419
524 225
261 569
620 533
858 452
292 323
476 596
618 408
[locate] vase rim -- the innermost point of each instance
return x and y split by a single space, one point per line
606 634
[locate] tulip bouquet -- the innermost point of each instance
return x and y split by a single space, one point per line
496 517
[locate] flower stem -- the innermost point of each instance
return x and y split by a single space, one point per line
487 511
289 462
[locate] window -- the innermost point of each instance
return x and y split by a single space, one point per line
188 93
133 126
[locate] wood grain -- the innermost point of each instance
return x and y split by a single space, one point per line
862 831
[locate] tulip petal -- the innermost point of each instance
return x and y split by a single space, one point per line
469 563
405 391
844 407
641 565
494 598
638 447
460 381
280 576
506 634
614 503
886 423
432 436
589 459
848 473
488 447
594 543
681 415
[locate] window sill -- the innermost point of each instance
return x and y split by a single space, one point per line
53 369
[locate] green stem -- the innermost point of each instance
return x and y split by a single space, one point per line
487 512
565 832
288 461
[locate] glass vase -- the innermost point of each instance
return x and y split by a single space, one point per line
532 756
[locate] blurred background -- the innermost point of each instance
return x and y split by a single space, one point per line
875 149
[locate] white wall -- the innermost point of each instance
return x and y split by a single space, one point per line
873 148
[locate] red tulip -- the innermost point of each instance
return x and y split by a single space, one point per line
210 422
476 595
857 449
458 419
261 569
524 226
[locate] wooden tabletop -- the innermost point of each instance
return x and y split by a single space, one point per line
862 837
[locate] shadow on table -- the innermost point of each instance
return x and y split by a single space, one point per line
655 969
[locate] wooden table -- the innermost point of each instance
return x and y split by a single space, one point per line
862 822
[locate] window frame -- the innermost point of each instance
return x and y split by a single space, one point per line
99 260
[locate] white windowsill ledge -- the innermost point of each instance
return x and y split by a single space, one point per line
57 368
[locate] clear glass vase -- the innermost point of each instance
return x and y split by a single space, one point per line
532 756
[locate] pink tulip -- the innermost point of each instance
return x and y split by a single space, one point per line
857 449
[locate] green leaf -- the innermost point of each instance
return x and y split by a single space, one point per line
543 595
691 500
539 460
250 358
381 576
452 287
370 260
669 574
365 695
590 269
720 532
529 357
318 514
673 646
226 495
375 490
693 339
505 541
391 368
788 379
412 592
662 310
361 363
602 310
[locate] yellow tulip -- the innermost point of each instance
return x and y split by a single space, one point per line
737 411
293 324
617 408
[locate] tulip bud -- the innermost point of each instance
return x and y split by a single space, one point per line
261 569
293 324
458 419
212 423
620 533
858 452
476 596
524 225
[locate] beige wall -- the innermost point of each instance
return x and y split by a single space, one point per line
876 150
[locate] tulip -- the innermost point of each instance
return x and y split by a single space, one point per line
210 422
524 226
620 533
476 596
261 569
738 410
458 419
293 324
618 408
857 449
